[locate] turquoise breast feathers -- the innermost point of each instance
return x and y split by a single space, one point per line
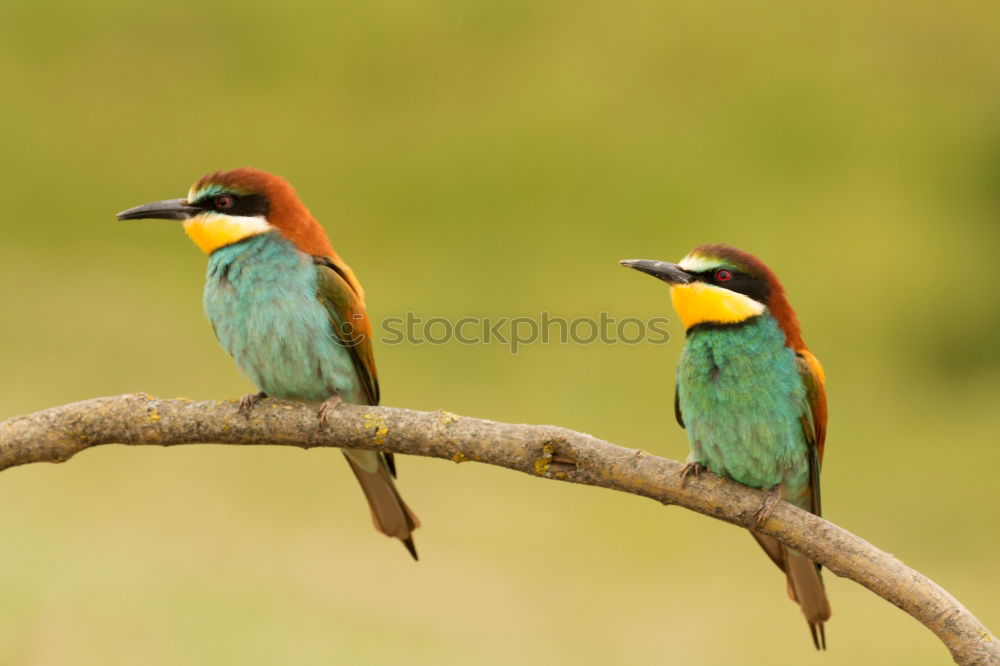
260 295
743 402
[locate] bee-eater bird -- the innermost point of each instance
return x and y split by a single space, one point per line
287 309
750 395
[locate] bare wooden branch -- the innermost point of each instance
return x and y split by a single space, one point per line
54 435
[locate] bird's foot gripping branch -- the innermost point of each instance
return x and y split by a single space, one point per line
56 434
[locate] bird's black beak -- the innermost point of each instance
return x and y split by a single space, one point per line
169 209
669 273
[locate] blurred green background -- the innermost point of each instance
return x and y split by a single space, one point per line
497 158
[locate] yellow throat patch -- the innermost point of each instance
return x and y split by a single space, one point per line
210 231
699 303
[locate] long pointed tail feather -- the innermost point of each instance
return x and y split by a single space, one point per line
390 514
805 585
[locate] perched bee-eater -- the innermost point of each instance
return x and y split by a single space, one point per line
750 394
287 309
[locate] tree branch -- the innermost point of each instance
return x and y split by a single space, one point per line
55 435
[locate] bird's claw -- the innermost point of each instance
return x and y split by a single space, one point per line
771 500
691 469
326 409
249 401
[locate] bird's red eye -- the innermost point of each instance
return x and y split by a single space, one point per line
223 202
723 275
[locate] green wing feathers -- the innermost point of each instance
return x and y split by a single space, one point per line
813 421
344 301
340 294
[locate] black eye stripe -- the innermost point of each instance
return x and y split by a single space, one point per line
248 205
740 282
